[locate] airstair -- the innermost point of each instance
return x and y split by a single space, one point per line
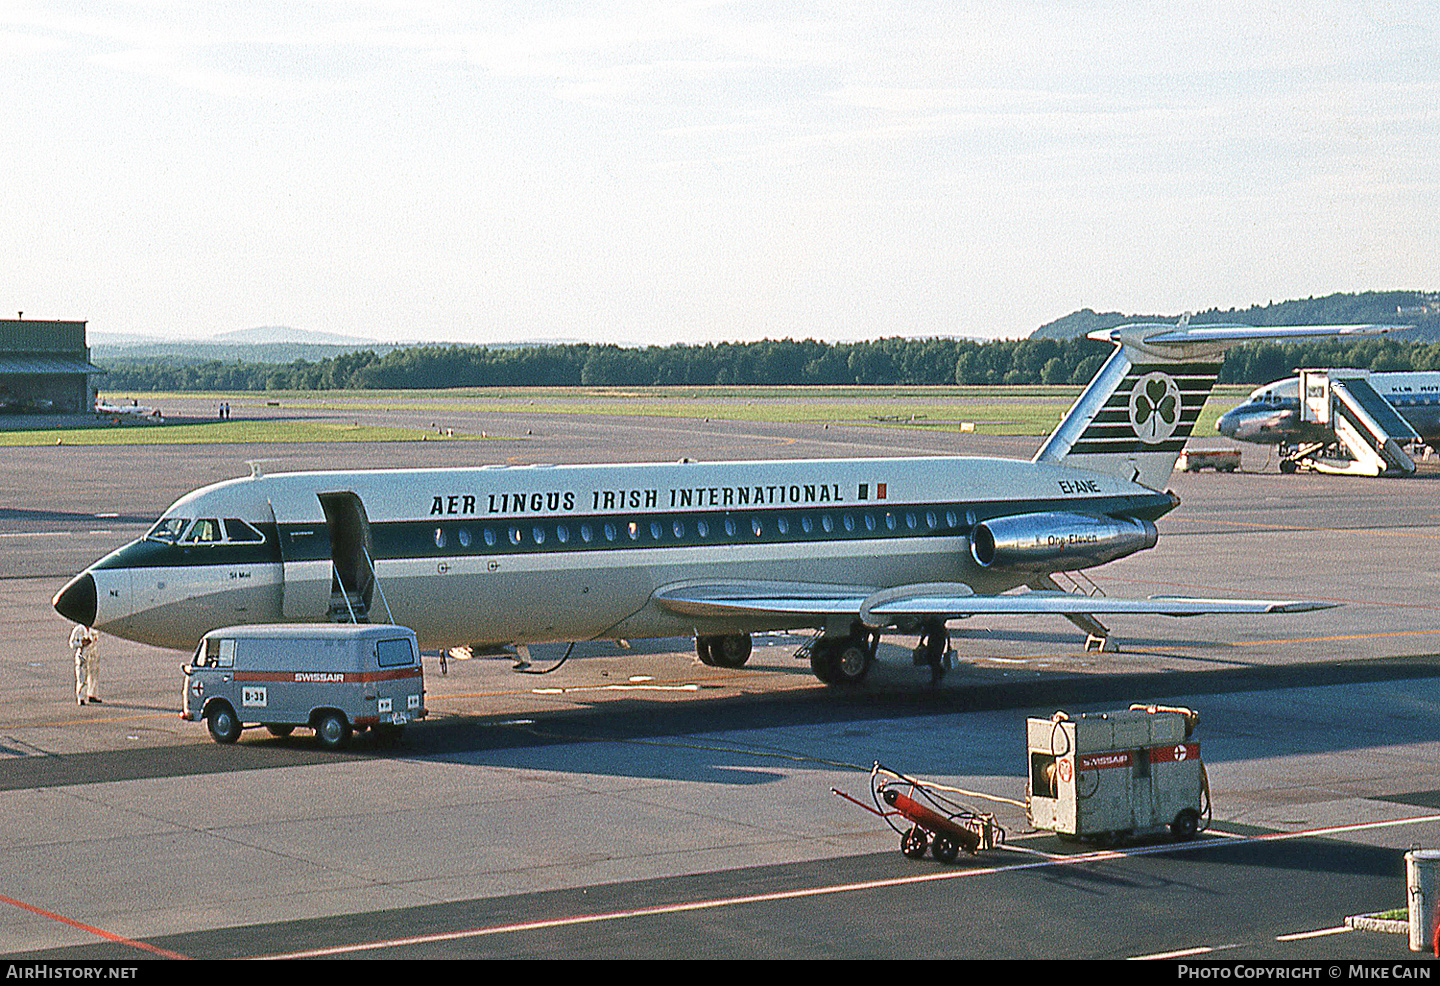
1369 436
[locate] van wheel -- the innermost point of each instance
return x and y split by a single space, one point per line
333 731
223 724
280 731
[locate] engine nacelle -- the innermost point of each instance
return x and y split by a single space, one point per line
1057 542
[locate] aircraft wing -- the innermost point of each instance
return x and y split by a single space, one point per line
882 607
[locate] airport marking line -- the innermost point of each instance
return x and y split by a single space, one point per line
91 929
1323 932
682 907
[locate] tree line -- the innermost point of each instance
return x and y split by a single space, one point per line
765 363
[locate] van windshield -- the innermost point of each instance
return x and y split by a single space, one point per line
394 653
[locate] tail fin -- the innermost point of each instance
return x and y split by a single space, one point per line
1136 414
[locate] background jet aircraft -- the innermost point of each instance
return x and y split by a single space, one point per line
849 547
1318 437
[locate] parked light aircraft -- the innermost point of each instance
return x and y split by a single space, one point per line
1273 415
501 555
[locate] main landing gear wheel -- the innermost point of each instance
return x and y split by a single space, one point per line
914 842
843 660
725 651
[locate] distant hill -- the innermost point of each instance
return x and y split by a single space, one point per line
1418 308
282 334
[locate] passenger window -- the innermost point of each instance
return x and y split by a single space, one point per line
226 656
587 533
238 531
869 522
634 530
807 524
702 528
439 537
849 521
827 523
756 526
394 653
562 534
729 527
490 537
515 535
782 525
205 531
609 532
538 533
679 529
655 529
463 535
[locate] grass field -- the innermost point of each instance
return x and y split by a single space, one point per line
1033 410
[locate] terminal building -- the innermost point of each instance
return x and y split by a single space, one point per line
45 367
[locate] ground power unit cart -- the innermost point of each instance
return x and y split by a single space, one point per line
1107 776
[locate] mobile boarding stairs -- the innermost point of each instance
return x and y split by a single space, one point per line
1367 436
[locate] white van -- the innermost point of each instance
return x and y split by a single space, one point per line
334 678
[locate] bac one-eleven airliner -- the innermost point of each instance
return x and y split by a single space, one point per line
852 548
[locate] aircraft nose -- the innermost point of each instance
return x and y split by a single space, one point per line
76 602
1226 425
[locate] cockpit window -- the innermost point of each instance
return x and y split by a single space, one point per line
239 532
168 529
205 531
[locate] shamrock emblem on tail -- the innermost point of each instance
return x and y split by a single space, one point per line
1155 408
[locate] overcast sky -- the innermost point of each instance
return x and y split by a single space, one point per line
690 172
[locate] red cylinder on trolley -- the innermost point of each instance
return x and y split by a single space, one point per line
931 820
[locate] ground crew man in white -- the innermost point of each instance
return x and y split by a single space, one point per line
86 643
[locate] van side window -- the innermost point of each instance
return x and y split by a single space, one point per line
394 653
226 653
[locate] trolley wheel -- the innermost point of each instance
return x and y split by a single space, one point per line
943 849
223 724
1288 466
1186 824
914 842
333 731
280 731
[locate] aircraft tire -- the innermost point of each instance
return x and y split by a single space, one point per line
730 651
223 724
822 659
702 651
850 661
